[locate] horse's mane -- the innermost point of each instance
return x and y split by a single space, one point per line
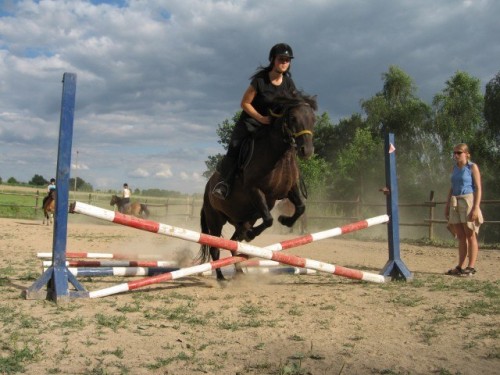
295 98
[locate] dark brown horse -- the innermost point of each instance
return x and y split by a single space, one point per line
49 207
132 208
269 174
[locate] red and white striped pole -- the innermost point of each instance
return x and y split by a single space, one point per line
115 263
72 254
202 238
308 238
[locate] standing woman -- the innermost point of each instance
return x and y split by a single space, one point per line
463 211
256 104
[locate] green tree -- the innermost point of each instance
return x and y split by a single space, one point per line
492 110
224 132
12 181
81 185
358 166
458 111
316 174
38 180
397 109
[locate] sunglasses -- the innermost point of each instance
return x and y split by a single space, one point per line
458 152
284 59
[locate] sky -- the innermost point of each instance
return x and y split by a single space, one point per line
155 78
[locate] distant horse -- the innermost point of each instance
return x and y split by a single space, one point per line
49 207
132 208
269 173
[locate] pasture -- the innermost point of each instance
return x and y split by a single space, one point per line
265 324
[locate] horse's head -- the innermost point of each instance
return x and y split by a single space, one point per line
113 201
298 119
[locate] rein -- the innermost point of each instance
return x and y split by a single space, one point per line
296 134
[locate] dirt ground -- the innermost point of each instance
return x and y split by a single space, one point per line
255 324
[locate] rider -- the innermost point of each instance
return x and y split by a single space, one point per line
51 187
126 197
256 104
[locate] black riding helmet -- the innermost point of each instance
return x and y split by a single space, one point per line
280 49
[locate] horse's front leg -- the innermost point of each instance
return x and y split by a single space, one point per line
259 201
295 197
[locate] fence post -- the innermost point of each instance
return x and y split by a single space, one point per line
431 215
37 196
166 208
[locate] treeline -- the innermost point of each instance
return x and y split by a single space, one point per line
349 160
38 181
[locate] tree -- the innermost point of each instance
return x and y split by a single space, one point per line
81 185
38 180
12 181
358 165
396 108
492 110
224 132
458 111
316 174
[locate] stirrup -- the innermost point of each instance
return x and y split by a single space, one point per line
221 190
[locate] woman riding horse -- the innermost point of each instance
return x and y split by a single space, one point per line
257 105
136 209
49 207
271 173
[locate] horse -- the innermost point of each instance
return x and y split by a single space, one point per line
132 208
49 207
268 173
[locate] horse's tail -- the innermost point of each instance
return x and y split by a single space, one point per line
204 253
145 210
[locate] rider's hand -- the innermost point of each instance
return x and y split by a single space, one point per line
265 120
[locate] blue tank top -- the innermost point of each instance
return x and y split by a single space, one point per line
461 180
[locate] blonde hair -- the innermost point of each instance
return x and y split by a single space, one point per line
464 148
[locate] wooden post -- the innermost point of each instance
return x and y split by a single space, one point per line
431 215
37 196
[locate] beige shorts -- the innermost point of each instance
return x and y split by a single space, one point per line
460 208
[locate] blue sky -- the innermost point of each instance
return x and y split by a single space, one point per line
155 78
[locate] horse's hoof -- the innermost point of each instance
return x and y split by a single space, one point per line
223 283
286 221
249 236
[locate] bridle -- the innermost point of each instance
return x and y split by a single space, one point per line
291 136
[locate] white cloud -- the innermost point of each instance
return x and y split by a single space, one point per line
155 78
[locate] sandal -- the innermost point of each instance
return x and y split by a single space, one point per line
457 271
469 271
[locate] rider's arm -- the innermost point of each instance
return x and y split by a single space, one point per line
246 105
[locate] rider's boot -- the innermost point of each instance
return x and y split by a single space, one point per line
227 171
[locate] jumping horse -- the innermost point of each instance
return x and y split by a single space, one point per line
49 207
132 208
269 173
